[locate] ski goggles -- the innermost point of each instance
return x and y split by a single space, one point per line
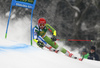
41 24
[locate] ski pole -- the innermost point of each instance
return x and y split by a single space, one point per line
61 40
73 40
78 40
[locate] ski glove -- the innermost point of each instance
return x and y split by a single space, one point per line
40 44
54 38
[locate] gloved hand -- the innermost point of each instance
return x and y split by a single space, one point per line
40 44
54 38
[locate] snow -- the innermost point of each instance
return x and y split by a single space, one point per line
15 54
76 14
13 15
83 27
7 14
76 8
32 57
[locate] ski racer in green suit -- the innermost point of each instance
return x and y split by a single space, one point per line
42 40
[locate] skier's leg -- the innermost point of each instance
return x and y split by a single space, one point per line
50 42
41 40
55 45
45 44
66 52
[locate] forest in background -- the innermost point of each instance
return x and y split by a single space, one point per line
72 19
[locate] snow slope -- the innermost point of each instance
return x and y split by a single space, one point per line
16 55
19 55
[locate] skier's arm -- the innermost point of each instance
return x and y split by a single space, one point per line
51 29
96 57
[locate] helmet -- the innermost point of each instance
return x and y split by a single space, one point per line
93 48
41 21
84 50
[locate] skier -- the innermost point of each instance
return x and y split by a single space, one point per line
40 37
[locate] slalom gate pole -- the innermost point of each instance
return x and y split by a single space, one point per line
8 22
31 25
